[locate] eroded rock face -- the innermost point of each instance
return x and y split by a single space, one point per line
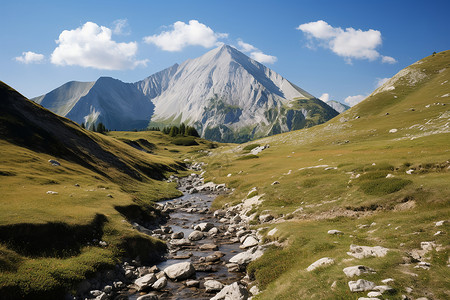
234 291
366 251
180 271
323 262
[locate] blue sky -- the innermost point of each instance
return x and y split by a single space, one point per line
340 48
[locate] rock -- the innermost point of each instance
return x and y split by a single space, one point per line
180 242
212 258
390 176
275 182
204 227
102 296
95 293
423 265
374 294
151 296
234 291
357 270
213 286
192 283
196 235
107 289
213 231
52 193
180 271
440 223
250 241
323 262
383 288
366 251
388 280
361 285
208 247
265 218
254 290
272 232
54 162
393 130
177 235
335 231
232 267
427 246
334 285
246 257
410 171
160 284
145 281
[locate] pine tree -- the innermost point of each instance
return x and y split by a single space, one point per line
83 126
182 129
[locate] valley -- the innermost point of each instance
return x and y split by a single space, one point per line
355 206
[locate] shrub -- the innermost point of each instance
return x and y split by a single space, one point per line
185 141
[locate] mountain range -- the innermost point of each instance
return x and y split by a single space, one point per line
224 94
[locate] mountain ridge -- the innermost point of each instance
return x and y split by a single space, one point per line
224 94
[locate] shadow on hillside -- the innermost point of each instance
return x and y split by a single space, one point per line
53 239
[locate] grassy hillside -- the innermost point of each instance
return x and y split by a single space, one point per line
49 241
335 176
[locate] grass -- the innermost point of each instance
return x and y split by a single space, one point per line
331 184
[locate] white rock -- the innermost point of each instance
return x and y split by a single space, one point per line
180 271
254 290
427 246
196 235
440 223
383 288
203 227
390 176
374 294
272 232
357 270
250 241
361 285
265 218
366 251
160 283
212 286
52 193
54 162
150 296
323 262
145 281
393 130
246 257
234 291
229 175
387 280
335 231
410 171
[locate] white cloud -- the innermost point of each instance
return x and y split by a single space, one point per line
121 27
388 60
30 57
182 35
353 100
349 43
325 97
263 58
245 47
91 46
256 54
381 81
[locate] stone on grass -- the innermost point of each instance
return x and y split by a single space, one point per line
213 286
440 223
361 285
383 288
250 241
254 290
265 218
366 251
54 162
52 193
387 280
234 291
180 271
374 294
357 270
272 232
335 231
323 262
145 281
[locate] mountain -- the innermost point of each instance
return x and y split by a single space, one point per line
116 104
230 97
337 106
224 94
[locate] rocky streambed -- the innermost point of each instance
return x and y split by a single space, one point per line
207 252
